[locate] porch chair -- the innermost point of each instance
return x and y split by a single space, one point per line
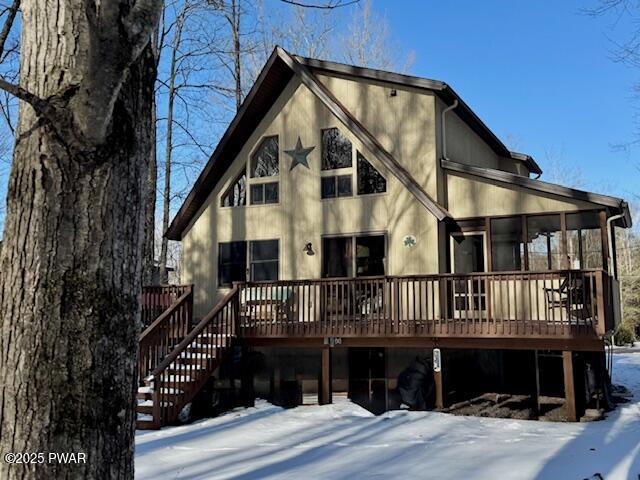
572 296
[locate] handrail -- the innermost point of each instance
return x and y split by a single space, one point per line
164 315
422 276
558 303
178 349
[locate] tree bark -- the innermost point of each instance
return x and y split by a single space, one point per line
71 256
148 255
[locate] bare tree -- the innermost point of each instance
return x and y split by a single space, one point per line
71 256
368 42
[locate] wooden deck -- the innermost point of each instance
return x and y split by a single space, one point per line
567 305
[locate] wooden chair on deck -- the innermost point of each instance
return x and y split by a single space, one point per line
572 296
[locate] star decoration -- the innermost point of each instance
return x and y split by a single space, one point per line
299 155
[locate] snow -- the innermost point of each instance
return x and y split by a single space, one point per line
344 441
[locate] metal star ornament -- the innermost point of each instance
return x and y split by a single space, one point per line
299 155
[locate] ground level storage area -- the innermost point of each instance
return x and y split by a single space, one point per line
493 382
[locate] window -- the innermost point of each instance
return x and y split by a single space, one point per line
336 150
369 179
264 256
338 259
507 248
584 240
264 161
336 186
543 242
262 193
370 255
467 252
236 194
232 263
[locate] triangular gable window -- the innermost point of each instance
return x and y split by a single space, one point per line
236 194
369 179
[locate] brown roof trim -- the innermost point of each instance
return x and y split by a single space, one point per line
273 78
368 140
444 91
528 161
617 204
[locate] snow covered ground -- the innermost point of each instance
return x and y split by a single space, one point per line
343 441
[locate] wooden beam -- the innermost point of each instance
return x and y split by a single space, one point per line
587 344
569 386
325 394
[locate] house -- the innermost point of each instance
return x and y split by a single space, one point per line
352 220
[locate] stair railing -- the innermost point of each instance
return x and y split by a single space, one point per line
157 340
198 354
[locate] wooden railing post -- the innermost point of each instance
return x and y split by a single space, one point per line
600 303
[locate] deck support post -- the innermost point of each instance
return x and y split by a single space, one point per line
437 377
247 394
569 386
325 393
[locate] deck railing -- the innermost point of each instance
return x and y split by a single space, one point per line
166 331
560 303
157 298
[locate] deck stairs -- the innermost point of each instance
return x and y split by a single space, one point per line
176 360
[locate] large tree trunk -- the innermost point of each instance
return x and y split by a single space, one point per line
71 257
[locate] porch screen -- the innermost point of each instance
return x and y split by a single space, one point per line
232 263
544 237
507 247
584 240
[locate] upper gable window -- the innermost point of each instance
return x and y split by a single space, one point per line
264 161
236 194
369 179
336 150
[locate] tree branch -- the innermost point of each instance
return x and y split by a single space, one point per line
41 107
8 23
323 6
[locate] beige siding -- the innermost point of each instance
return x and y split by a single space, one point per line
301 216
474 197
465 146
404 124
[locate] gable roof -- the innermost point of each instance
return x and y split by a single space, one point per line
616 204
441 89
273 78
279 69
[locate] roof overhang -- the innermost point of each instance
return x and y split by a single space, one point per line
441 89
616 205
274 77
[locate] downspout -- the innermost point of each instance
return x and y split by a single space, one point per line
444 128
610 220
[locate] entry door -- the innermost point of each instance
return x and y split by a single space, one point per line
468 255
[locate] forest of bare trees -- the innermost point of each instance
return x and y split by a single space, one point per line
209 53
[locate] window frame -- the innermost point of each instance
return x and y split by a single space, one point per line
322 150
221 284
251 261
354 263
254 152
233 183
335 179
386 183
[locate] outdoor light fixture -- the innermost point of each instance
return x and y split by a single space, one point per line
309 249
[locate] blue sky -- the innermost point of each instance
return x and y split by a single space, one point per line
541 72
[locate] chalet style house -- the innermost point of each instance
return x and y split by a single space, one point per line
354 228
